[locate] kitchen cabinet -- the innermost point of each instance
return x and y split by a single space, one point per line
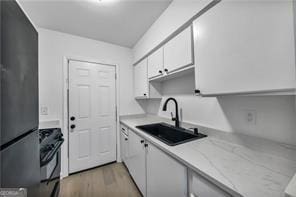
142 88
178 52
245 47
165 176
124 144
137 160
200 187
155 64
141 80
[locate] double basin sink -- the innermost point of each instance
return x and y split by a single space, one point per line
169 134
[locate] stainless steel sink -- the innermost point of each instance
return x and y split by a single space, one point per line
169 134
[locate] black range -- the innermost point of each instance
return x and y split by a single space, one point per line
51 140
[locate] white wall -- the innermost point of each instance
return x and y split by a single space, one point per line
177 13
53 47
275 115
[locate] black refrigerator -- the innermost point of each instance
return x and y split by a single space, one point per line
20 160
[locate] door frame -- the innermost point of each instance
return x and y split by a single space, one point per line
65 118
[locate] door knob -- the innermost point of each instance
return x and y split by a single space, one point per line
72 126
72 118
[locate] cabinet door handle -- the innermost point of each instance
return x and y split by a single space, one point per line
145 145
142 141
166 70
145 94
197 91
72 126
160 71
72 118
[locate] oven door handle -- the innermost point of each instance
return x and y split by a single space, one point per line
52 153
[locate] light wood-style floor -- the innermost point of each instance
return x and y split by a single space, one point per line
107 181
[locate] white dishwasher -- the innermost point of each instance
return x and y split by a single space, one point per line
124 143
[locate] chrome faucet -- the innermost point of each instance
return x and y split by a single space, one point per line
176 118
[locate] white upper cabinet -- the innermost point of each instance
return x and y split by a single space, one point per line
245 47
141 89
155 63
178 52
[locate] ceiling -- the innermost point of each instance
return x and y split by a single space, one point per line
121 22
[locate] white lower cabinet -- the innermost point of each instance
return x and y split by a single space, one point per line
200 187
137 160
165 176
158 175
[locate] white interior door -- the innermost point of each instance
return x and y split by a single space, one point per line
92 104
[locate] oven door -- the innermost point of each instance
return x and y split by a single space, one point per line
50 176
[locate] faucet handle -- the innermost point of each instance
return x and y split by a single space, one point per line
173 118
195 130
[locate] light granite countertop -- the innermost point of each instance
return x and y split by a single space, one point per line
241 165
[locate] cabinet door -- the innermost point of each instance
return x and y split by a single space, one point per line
200 187
178 52
165 176
155 63
137 160
141 80
245 46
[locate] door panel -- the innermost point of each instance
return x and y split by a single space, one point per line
104 140
104 102
92 102
83 96
83 139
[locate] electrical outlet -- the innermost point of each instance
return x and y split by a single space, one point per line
250 117
44 110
